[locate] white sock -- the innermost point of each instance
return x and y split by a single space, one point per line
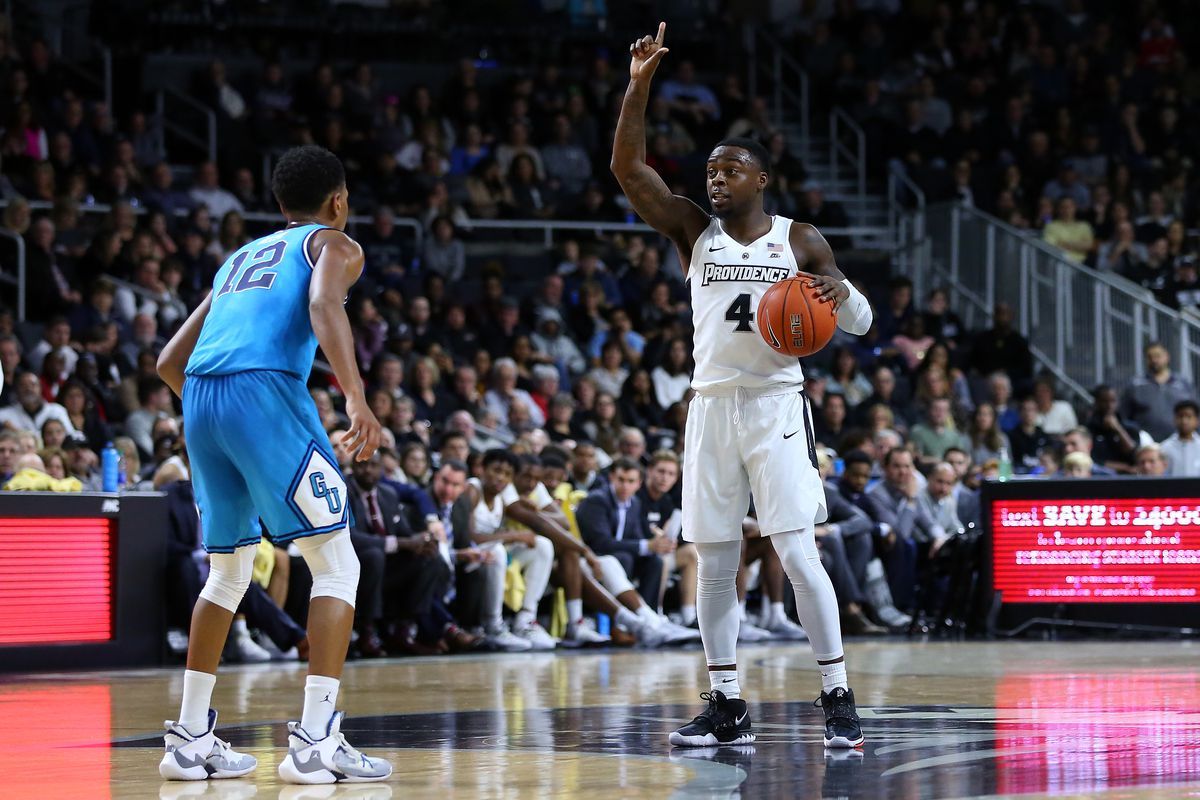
523 620
320 701
687 615
725 681
742 611
628 619
197 699
647 615
833 676
777 614
574 611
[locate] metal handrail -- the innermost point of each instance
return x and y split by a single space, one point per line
1140 293
1115 316
210 116
780 88
857 157
21 280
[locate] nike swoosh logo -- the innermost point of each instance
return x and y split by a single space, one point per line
712 249
774 342
742 718
728 680
790 435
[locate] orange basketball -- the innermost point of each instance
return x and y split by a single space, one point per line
792 321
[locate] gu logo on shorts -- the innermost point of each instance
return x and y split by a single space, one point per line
732 273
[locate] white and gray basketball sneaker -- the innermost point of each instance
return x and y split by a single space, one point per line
198 758
501 638
749 632
328 760
784 628
537 637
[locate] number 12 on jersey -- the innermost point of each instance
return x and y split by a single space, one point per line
739 312
257 274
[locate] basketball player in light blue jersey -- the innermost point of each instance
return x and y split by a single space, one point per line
257 448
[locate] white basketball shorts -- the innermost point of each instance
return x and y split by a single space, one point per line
741 443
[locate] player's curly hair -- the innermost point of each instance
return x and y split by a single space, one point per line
752 146
305 177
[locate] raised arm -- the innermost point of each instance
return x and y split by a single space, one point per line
814 257
672 215
339 262
172 361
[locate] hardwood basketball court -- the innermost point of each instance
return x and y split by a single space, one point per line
942 720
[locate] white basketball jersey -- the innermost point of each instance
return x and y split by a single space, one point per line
727 279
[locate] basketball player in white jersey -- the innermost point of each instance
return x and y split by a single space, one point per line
749 428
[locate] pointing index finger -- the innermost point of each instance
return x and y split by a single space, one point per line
662 28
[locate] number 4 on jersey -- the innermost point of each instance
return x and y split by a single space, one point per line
739 312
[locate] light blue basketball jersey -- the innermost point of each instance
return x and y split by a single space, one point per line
259 317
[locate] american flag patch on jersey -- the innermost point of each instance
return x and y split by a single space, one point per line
774 248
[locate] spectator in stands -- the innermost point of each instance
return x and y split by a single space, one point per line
1121 254
56 338
1148 461
31 410
1074 236
504 393
10 450
444 253
162 195
1182 448
551 339
1149 400
1055 416
899 307
1077 465
568 166
846 379
938 502
50 281
893 505
1002 348
1114 439
414 573
206 191
83 414
1079 440
1000 396
831 423
933 436
986 439
155 402
846 542
612 522
692 101
883 381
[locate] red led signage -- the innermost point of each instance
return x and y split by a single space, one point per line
1135 550
56 580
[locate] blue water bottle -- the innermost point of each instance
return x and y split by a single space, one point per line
603 624
110 467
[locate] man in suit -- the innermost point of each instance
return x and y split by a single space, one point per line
847 545
414 573
893 504
611 522
185 579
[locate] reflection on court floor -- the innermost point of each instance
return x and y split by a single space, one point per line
942 721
